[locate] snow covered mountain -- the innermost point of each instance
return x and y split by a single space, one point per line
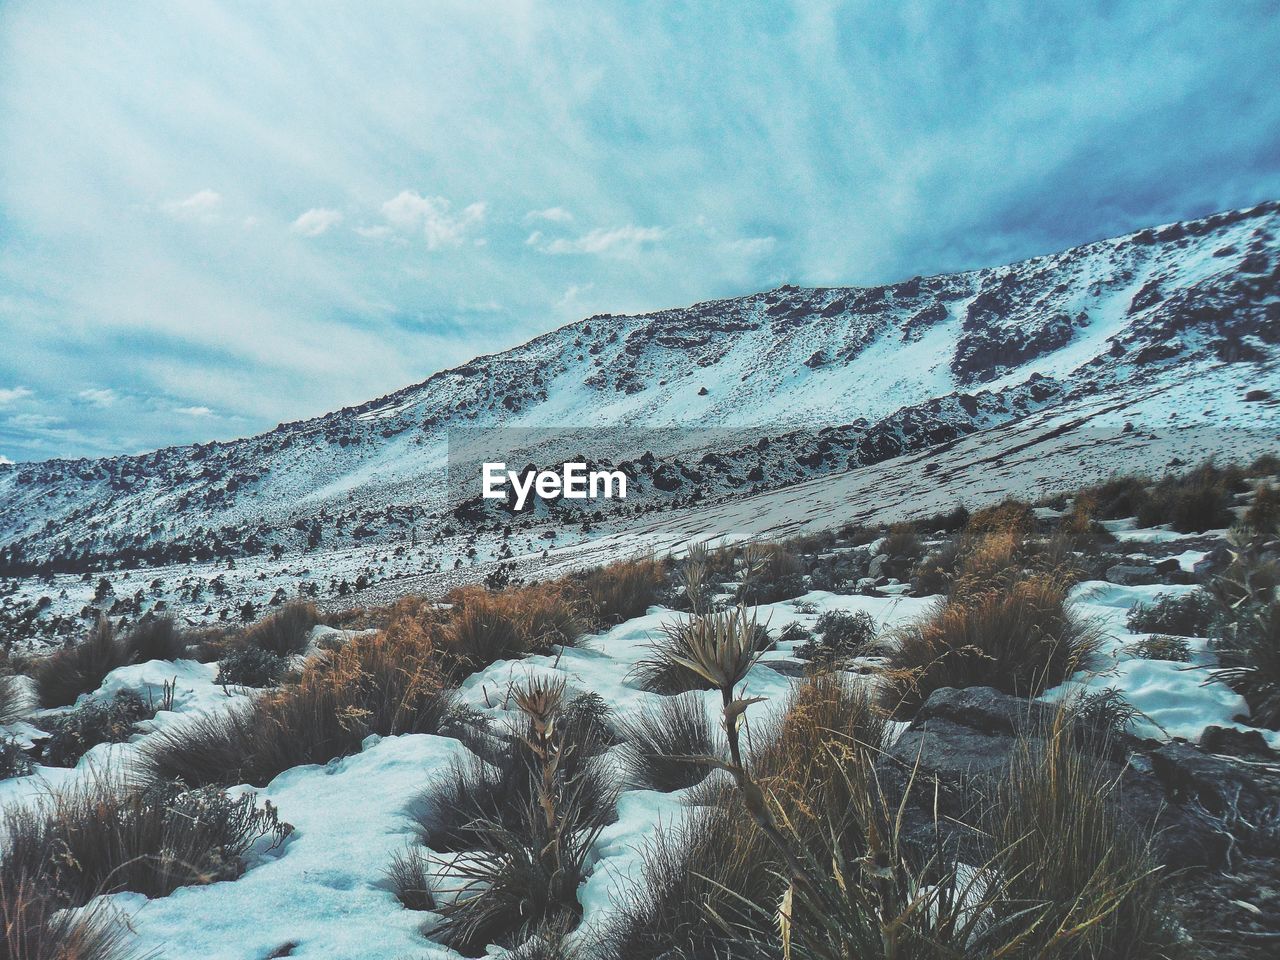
783 386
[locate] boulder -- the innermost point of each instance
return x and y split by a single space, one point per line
1132 574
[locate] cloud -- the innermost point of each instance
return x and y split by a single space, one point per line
201 205
194 411
316 221
5 461
409 211
10 395
98 397
618 241
551 215
34 421
809 142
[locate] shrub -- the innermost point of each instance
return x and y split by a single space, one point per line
252 667
902 541
1079 529
1187 615
286 631
987 562
1251 661
387 683
1263 514
64 675
109 836
1162 647
154 638
92 723
622 591
662 740
841 634
527 870
14 761
1083 882
1021 640
667 669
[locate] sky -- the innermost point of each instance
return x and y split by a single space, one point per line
215 217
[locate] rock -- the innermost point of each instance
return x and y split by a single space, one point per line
1213 562
1132 574
982 708
1228 741
1168 565
877 567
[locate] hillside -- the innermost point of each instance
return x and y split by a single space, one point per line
893 368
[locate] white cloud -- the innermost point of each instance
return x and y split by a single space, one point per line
409 211
10 395
380 232
618 241
316 221
34 421
98 397
194 411
752 246
201 205
551 215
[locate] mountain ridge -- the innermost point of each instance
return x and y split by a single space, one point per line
889 367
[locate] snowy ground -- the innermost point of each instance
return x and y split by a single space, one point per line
324 891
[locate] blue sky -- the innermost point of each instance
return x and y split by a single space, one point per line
218 216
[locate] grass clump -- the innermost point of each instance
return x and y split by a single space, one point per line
662 744
286 631
13 698
1185 615
768 573
65 674
1162 647
250 666
154 638
622 591
387 683
1022 639
35 927
1263 514
409 878
486 627
1193 502
14 761
1082 880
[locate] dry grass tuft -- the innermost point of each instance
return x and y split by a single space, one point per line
388 683
486 627
1022 640
621 591
284 632
662 742
65 674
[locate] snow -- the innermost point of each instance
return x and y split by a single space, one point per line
326 889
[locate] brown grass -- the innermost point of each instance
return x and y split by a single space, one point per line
621 591
486 627
65 674
1021 639
388 683
285 631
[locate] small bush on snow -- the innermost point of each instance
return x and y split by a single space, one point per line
662 741
841 634
1186 615
80 668
252 667
284 632
1162 647
91 723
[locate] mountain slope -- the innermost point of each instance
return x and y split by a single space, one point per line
830 378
